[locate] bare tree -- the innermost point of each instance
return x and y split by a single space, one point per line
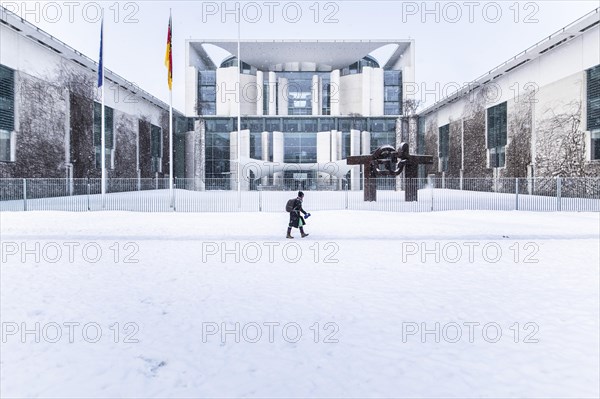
518 149
475 155
410 106
81 86
560 144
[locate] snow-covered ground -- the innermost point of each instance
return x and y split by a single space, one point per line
371 304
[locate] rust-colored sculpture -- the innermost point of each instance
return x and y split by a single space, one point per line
387 161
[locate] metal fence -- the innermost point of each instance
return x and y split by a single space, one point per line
196 195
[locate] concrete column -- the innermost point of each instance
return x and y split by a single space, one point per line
315 95
337 139
272 93
376 92
195 155
355 150
339 144
365 147
260 92
245 153
265 154
323 152
335 92
282 97
333 146
233 160
278 156
366 91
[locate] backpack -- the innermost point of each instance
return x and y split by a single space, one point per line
289 206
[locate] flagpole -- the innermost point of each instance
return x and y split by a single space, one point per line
171 145
171 128
102 123
239 112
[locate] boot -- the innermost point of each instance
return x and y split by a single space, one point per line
302 232
289 233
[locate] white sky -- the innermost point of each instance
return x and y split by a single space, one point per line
135 32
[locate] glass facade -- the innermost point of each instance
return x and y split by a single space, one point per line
108 134
383 132
156 148
392 92
358 66
496 134
232 61
593 110
326 94
444 146
299 141
207 93
299 91
7 110
256 145
420 136
217 147
300 147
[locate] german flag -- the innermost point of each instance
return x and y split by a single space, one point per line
169 56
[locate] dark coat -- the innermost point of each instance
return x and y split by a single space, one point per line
296 220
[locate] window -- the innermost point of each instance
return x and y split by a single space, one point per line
255 145
444 147
593 110
596 144
265 97
326 97
300 147
358 66
326 124
7 111
108 135
496 135
156 148
207 93
421 136
217 152
392 92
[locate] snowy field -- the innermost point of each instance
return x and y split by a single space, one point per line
371 304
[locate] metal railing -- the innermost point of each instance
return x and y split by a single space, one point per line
220 195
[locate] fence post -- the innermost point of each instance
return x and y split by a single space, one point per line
347 189
88 194
516 193
558 193
259 188
430 182
174 191
24 194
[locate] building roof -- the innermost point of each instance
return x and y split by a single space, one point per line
320 55
569 32
26 29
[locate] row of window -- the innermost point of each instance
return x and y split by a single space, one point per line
156 149
7 127
300 95
392 92
496 117
496 127
283 124
7 111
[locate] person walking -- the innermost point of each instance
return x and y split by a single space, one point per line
296 219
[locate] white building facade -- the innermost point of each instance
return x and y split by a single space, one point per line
536 115
50 112
302 103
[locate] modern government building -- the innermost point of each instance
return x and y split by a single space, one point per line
305 107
